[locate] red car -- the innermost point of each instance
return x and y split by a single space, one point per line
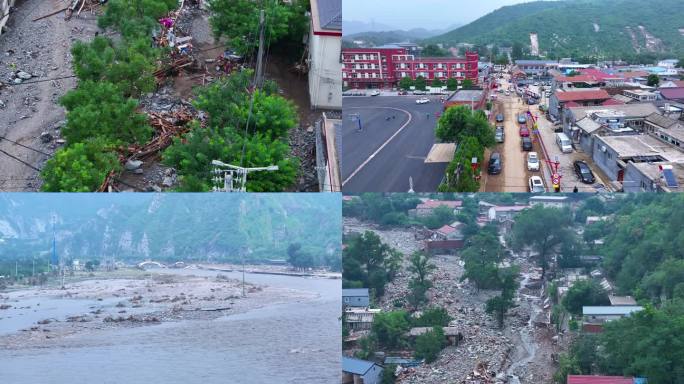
524 132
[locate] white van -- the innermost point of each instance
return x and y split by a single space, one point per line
563 143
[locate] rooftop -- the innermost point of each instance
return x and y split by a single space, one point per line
535 62
624 110
446 229
654 172
585 379
466 95
621 300
632 146
660 120
355 292
588 125
672 93
543 198
598 94
430 204
327 15
356 366
608 310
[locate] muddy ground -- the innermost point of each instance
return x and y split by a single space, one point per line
519 353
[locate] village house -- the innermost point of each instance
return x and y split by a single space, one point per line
355 297
586 379
503 213
452 334
426 208
360 318
561 100
617 301
595 316
356 371
672 94
550 201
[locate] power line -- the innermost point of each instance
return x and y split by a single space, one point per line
20 160
41 81
22 145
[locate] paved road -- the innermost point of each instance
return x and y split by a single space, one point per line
385 153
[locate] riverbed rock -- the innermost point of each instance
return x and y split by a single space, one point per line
132 165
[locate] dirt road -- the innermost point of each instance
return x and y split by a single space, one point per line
42 49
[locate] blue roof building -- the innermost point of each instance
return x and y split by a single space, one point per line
354 370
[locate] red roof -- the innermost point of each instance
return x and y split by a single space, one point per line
679 83
612 102
672 93
633 74
571 104
585 379
431 204
576 79
446 229
598 75
583 95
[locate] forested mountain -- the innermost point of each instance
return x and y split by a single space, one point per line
170 227
582 28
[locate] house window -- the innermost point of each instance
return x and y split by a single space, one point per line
346 299
364 57
356 57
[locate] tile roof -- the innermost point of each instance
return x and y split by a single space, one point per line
356 366
355 292
613 101
329 14
660 120
430 204
588 125
582 95
585 379
446 229
576 79
672 93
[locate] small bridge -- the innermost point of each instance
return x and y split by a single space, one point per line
150 263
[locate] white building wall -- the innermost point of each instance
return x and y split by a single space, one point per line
325 72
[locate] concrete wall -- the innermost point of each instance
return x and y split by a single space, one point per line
4 10
635 181
355 301
325 72
607 160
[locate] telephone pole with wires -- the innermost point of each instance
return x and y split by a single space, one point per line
260 57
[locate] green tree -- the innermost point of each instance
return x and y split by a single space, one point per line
584 293
390 328
299 258
388 374
98 110
550 227
130 65
405 83
460 176
653 80
420 83
436 82
436 316
452 84
459 122
498 306
192 154
481 255
432 50
369 262
429 344
238 20
421 267
663 281
135 18
81 167
467 84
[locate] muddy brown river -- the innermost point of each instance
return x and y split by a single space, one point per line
294 342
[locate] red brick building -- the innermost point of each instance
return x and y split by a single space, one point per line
384 67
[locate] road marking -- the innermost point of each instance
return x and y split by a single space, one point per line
358 169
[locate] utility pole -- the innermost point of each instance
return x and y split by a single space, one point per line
260 57
234 178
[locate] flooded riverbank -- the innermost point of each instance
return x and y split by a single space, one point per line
187 326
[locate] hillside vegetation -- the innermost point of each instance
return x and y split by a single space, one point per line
603 29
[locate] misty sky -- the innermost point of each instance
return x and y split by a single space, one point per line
429 14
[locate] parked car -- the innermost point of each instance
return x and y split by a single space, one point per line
419 92
508 93
522 119
526 143
375 93
524 132
495 165
423 100
499 118
584 172
401 93
563 143
532 161
536 185
499 135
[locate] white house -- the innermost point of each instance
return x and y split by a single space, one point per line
325 50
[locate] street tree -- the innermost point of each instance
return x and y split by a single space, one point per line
390 328
368 262
405 83
459 122
452 84
437 82
420 83
467 84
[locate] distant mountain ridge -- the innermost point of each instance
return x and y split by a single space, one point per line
380 37
598 28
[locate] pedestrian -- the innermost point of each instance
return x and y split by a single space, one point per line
428 116
575 190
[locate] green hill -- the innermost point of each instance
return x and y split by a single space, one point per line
582 28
